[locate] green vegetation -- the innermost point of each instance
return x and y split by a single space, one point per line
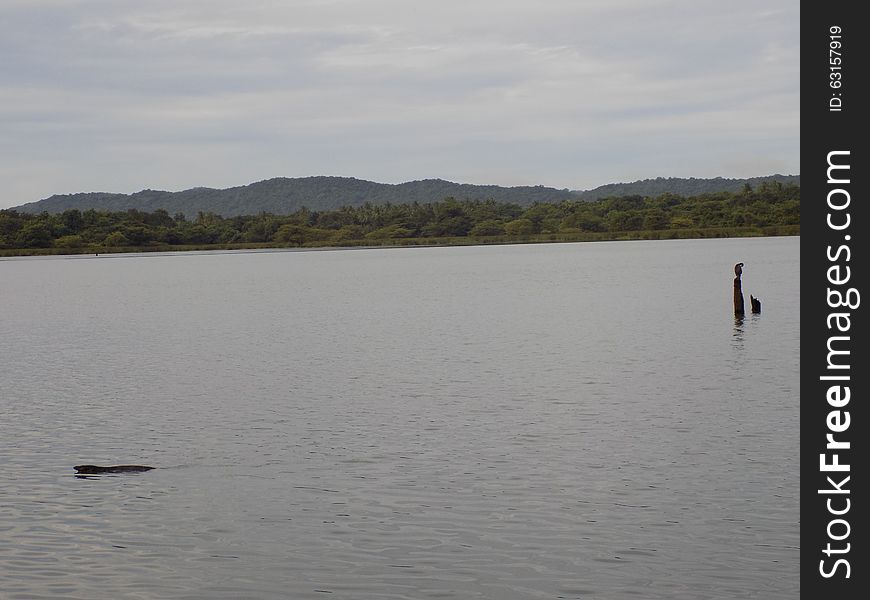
770 209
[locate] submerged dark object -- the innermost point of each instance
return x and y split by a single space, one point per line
96 470
755 303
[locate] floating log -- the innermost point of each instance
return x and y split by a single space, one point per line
96 469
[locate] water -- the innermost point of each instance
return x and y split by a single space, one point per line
513 422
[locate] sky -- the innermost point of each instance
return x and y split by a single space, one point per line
125 95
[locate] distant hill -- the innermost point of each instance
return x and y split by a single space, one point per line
283 195
681 186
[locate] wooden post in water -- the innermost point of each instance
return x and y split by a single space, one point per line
755 303
739 311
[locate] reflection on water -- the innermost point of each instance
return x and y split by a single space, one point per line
741 322
738 330
422 423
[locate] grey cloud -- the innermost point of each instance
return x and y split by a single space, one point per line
564 93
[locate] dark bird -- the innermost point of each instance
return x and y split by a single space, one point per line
738 269
96 470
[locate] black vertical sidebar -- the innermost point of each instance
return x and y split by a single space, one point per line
835 113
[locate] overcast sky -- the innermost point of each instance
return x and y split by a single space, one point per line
122 95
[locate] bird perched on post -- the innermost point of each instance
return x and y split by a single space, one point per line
738 269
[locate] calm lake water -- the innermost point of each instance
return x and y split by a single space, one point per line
507 422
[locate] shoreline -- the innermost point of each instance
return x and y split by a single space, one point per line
544 238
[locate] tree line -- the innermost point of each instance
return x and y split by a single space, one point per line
767 207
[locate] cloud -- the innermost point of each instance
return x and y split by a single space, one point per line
107 95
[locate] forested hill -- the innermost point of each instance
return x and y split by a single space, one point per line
682 186
282 196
